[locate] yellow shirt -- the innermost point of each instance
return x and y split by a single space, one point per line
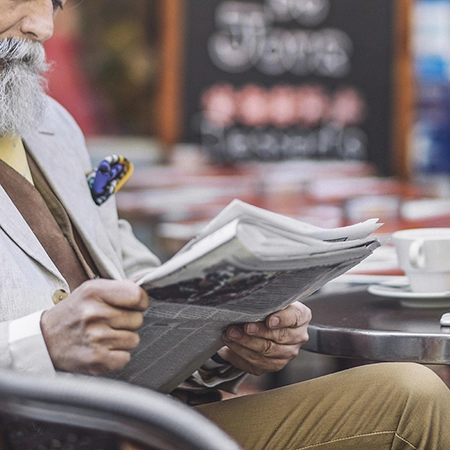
12 152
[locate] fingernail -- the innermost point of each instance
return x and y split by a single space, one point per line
235 333
252 328
274 322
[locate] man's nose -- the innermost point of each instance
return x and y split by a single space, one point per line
37 22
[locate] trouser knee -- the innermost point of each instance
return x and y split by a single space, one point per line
411 381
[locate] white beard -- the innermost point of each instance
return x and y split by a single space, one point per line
22 86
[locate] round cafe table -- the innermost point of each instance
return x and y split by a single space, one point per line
353 323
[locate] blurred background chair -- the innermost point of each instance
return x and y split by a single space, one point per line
84 413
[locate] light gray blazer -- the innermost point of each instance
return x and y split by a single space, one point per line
28 277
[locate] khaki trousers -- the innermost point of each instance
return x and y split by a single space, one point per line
398 406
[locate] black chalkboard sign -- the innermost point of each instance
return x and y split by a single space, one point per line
280 79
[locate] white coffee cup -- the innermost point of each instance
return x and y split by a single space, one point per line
424 255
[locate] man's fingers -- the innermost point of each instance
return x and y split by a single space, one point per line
98 322
285 327
117 360
114 360
294 316
268 346
251 361
103 338
120 294
124 340
126 320
103 350
100 312
284 336
114 352
128 295
252 346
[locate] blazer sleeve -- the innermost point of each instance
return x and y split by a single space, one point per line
137 259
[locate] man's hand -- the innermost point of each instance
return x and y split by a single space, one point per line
268 346
93 330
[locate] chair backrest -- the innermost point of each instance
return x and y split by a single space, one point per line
80 412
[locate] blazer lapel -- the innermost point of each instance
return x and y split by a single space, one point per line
66 175
14 225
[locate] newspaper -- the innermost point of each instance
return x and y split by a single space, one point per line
247 263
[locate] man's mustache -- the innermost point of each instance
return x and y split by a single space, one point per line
22 85
30 53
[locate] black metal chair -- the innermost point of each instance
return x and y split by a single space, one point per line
86 413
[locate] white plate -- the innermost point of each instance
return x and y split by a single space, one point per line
411 299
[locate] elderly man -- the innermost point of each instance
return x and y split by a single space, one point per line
67 302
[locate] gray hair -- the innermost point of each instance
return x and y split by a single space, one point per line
22 85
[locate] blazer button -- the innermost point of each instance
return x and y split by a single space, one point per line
59 296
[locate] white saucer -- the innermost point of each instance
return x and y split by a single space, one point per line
412 299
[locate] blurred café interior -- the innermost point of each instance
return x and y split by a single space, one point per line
329 111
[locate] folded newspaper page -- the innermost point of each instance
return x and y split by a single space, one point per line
247 263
